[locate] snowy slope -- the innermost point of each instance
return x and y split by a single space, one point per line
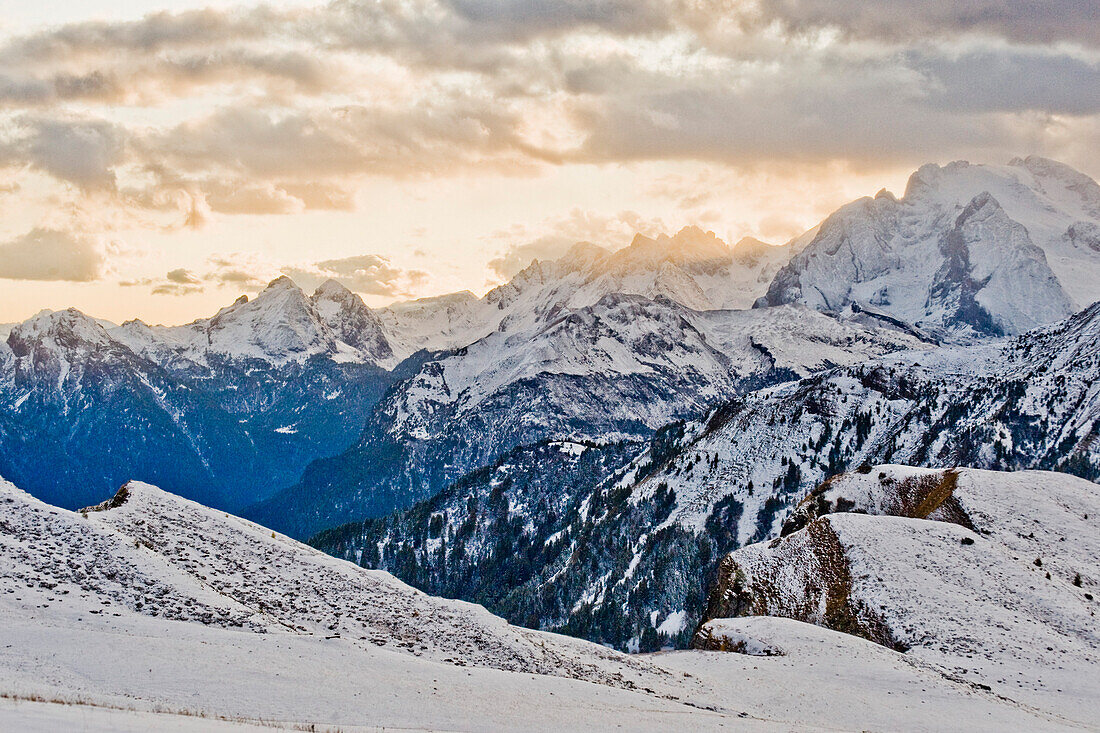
989 576
968 251
1024 402
157 605
711 353
441 322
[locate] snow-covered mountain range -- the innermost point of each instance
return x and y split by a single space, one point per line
693 268
226 409
968 251
617 543
579 449
313 410
618 369
566 355
282 324
152 612
231 408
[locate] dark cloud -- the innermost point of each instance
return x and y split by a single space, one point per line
181 276
366 274
50 254
818 109
82 152
446 131
30 91
1026 21
314 99
155 32
517 20
1009 80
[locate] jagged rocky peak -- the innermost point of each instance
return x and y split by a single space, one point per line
692 267
750 251
281 283
691 245
333 290
351 320
582 255
280 324
994 278
1072 180
68 330
56 348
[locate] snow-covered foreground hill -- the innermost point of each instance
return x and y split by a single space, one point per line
990 576
150 611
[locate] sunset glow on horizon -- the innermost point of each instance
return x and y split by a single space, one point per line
160 159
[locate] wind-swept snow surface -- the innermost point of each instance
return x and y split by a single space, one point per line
188 616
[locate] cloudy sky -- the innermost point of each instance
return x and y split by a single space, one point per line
157 163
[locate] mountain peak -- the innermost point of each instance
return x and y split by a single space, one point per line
582 254
695 243
348 317
67 328
332 290
1045 167
281 283
983 204
689 245
692 231
750 245
1015 242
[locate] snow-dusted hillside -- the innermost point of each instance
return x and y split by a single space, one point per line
968 251
618 369
623 558
150 611
989 576
692 268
